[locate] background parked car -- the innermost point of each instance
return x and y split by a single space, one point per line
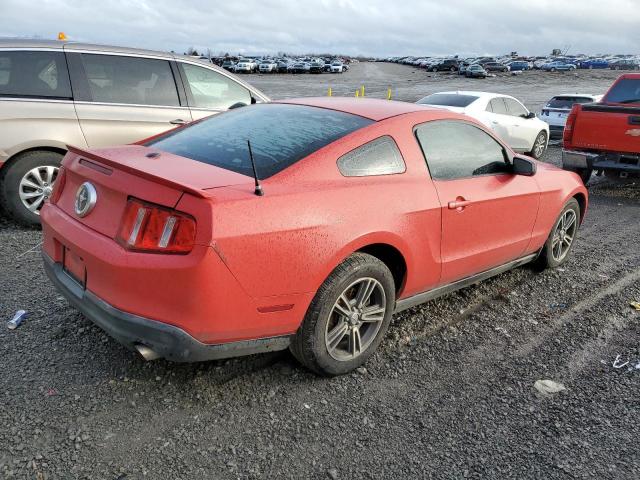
450 65
268 66
594 63
503 114
517 65
475 71
54 94
336 67
316 66
556 111
229 65
495 67
558 66
246 66
626 64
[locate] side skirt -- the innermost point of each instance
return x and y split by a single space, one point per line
424 297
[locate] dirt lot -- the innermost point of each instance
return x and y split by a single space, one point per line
450 395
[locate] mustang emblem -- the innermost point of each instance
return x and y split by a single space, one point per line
86 198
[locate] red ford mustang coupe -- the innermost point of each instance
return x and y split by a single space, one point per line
302 224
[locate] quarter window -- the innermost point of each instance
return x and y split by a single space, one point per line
34 74
378 157
456 149
130 80
209 89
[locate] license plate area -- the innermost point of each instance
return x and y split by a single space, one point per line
73 266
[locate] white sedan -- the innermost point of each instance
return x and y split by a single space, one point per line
505 115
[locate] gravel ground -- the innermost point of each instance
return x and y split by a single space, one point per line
449 395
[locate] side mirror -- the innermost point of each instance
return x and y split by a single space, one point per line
529 115
524 166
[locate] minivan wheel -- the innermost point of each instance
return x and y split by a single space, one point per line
562 237
347 318
26 183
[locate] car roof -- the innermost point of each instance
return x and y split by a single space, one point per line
480 95
374 109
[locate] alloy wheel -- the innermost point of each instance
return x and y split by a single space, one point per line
36 186
355 319
538 147
563 235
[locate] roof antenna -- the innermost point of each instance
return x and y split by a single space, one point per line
258 191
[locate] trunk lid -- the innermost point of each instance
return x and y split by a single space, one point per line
137 171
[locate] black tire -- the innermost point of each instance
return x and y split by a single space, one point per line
434 69
553 69
546 259
541 138
12 175
583 173
453 69
309 343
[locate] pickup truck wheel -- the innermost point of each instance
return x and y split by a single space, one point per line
27 183
539 145
562 237
584 173
347 318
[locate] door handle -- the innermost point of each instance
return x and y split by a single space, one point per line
178 121
459 204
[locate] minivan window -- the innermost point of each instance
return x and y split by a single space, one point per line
213 90
280 136
130 80
455 149
626 90
37 74
448 99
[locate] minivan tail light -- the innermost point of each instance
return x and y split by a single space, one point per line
567 134
146 227
58 186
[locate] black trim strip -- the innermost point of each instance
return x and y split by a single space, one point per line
601 107
424 297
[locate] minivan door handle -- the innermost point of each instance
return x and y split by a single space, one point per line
178 121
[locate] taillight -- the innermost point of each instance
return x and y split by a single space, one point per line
58 185
567 134
146 227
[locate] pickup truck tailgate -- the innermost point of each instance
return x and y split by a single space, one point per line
607 127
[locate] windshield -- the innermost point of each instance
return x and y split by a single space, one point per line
448 99
280 136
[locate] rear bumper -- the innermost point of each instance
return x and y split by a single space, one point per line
621 162
166 340
555 131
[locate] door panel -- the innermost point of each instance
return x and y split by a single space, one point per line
106 125
493 228
124 99
488 213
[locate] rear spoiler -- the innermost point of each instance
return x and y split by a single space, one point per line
138 173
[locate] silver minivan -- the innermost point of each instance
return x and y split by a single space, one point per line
59 93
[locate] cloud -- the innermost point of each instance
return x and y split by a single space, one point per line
372 27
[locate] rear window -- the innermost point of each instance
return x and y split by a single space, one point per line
448 99
280 136
626 90
567 102
34 75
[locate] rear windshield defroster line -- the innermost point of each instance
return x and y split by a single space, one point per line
280 135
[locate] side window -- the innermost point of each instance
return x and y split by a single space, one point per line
498 106
515 108
130 80
455 149
34 74
378 157
210 89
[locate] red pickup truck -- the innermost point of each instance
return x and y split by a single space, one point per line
605 136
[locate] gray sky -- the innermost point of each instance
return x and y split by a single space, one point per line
369 27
